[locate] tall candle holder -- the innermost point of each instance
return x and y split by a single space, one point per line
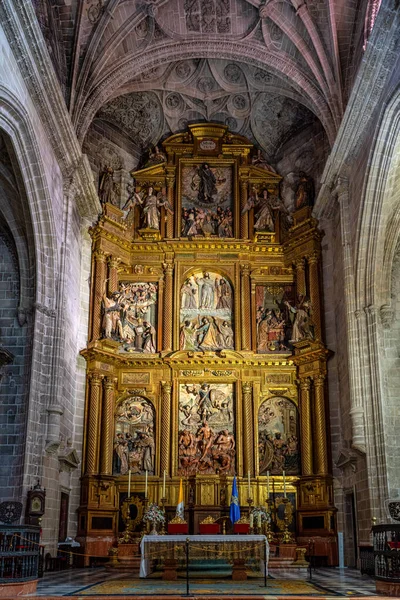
287 537
268 530
163 502
251 521
145 523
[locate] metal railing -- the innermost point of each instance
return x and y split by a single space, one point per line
387 552
20 553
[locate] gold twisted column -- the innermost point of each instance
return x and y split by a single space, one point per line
107 426
170 217
313 262
247 401
93 424
165 437
300 277
244 216
113 264
306 428
246 310
168 302
320 431
98 291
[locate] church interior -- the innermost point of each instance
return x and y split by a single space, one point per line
200 293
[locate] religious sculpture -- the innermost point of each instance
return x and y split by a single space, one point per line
108 189
134 445
278 437
274 326
156 156
302 324
112 326
206 313
305 191
206 441
150 204
259 160
264 220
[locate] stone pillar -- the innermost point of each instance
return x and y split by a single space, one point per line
244 217
113 274
246 308
165 437
107 426
168 306
320 430
98 291
248 433
300 277
92 459
170 217
313 262
305 426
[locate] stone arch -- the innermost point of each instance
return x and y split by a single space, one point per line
278 436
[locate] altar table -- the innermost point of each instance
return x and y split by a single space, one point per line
238 549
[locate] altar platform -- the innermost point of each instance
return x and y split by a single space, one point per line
99 584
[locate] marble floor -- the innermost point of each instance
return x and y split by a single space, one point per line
101 583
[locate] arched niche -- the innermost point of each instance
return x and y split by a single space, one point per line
278 440
134 442
206 312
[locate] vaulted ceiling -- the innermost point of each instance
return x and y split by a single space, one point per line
144 68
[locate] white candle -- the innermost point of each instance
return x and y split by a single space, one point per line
145 486
163 489
251 520
129 483
248 483
267 485
284 485
259 521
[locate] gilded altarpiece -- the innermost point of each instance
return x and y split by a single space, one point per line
205 355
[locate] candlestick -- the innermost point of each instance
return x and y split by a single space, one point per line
284 484
248 483
129 483
145 486
267 484
163 489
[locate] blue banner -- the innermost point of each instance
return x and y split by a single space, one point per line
234 510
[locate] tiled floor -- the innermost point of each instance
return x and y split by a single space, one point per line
99 582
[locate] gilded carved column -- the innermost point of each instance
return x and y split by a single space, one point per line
170 217
93 424
113 264
245 305
107 426
165 437
306 427
320 430
244 216
98 291
247 402
300 277
313 262
168 305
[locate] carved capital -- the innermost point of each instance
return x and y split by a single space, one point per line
247 388
319 380
304 384
99 256
166 387
300 264
109 383
113 262
95 379
168 268
245 270
313 258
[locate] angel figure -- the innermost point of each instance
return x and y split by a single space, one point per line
134 199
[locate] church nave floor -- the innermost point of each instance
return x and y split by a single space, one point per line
101 583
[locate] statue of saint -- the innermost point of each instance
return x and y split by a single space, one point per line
207 184
107 187
305 191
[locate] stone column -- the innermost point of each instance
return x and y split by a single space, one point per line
165 437
98 291
320 431
313 262
168 306
170 217
300 277
247 402
244 217
246 308
92 459
305 426
113 274
107 426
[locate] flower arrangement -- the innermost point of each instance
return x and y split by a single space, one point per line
260 514
154 514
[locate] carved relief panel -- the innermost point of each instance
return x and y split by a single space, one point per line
206 314
278 437
274 319
206 443
134 443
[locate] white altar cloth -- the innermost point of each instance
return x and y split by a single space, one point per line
218 540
